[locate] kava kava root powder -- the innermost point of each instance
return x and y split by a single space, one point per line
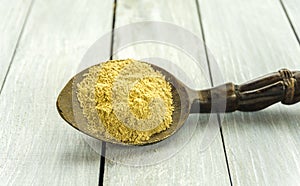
125 100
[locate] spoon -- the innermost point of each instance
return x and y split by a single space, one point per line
282 86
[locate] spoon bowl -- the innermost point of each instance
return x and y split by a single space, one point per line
69 108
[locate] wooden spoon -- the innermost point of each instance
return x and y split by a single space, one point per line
254 95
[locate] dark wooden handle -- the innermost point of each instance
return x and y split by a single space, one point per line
282 86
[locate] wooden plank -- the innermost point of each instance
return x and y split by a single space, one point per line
249 39
292 8
193 165
37 146
12 17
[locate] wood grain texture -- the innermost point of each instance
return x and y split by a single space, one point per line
37 146
249 39
192 165
12 19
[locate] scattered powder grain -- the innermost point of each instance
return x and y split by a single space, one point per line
126 100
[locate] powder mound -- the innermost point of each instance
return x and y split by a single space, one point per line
131 100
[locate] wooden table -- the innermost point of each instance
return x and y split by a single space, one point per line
43 42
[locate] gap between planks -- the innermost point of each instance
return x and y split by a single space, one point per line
17 45
212 84
103 146
289 20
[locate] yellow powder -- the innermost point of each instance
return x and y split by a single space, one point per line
143 93
86 98
131 99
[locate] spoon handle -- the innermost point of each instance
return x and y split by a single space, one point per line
282 86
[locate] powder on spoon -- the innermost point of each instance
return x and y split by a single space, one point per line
126 100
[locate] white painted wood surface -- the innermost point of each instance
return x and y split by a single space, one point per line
12 17
249 39
190 166
37 146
